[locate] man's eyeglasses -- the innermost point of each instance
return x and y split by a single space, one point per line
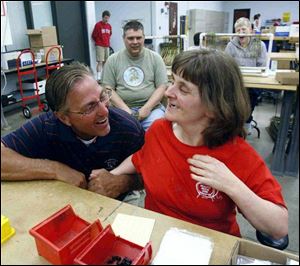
90 108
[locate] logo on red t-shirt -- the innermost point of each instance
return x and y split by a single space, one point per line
207 192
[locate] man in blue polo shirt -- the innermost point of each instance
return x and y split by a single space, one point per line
81 134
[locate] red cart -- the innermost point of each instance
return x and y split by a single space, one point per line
57 64
42 106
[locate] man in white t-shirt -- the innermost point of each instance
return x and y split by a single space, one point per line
138 77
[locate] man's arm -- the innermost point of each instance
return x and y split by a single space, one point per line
155 98
15 166
118 102
262 59
120 180
110 185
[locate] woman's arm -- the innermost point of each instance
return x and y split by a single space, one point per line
126 167
264 215
119 180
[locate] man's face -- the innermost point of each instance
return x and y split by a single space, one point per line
86 125
134 41
243 30
105 19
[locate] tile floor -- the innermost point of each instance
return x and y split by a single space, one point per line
264 145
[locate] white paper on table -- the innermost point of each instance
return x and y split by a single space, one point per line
181 247
133 228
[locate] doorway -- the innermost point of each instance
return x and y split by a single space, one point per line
172 18
239 13
70 20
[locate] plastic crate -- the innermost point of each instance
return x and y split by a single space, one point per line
107 245
62 236
6 230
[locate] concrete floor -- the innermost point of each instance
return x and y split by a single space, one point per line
264 145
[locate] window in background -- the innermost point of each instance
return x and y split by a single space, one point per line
41 13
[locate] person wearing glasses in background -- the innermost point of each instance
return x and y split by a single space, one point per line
248 52
80 134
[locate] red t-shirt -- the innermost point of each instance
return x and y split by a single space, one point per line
170 190
101 34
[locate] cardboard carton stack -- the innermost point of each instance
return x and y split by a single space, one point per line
262 254
42 40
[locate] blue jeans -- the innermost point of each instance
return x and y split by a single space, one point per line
156 113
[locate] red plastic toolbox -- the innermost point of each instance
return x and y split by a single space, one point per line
62 236
107 245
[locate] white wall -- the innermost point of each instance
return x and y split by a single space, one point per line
267 9
91 20
42 15
122 11
18 27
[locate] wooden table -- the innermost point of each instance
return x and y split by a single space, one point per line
26 204
283 56
286 157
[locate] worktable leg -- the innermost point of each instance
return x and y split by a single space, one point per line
277 165
292 159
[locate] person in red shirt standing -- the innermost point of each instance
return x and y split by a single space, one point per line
196 164
101 35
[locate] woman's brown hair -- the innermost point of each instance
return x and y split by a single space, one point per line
221 88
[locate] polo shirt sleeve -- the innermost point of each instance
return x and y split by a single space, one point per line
136 159
137 140
28 140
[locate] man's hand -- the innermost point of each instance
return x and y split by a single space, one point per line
107 184
67 174
143 113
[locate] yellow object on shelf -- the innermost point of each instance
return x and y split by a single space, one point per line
6 230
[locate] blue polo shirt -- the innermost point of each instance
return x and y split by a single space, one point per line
45 137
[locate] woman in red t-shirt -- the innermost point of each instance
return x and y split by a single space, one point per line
196 164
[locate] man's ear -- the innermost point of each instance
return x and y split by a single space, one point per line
63 118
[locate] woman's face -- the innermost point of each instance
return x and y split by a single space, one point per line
185 105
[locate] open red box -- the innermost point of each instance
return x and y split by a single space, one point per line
62 236
107 245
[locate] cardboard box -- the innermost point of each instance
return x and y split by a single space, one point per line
9 60
41 53
283 65
30 85
294 30
46 36
287 78
261 252
282 30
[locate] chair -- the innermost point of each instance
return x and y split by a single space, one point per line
254 125
267 240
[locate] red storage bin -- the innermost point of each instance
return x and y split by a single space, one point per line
101 250
62 236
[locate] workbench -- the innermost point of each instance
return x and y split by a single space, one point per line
27 203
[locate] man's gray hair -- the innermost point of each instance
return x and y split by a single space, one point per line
242 22
63 80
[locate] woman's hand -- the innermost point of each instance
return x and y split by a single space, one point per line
212 172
